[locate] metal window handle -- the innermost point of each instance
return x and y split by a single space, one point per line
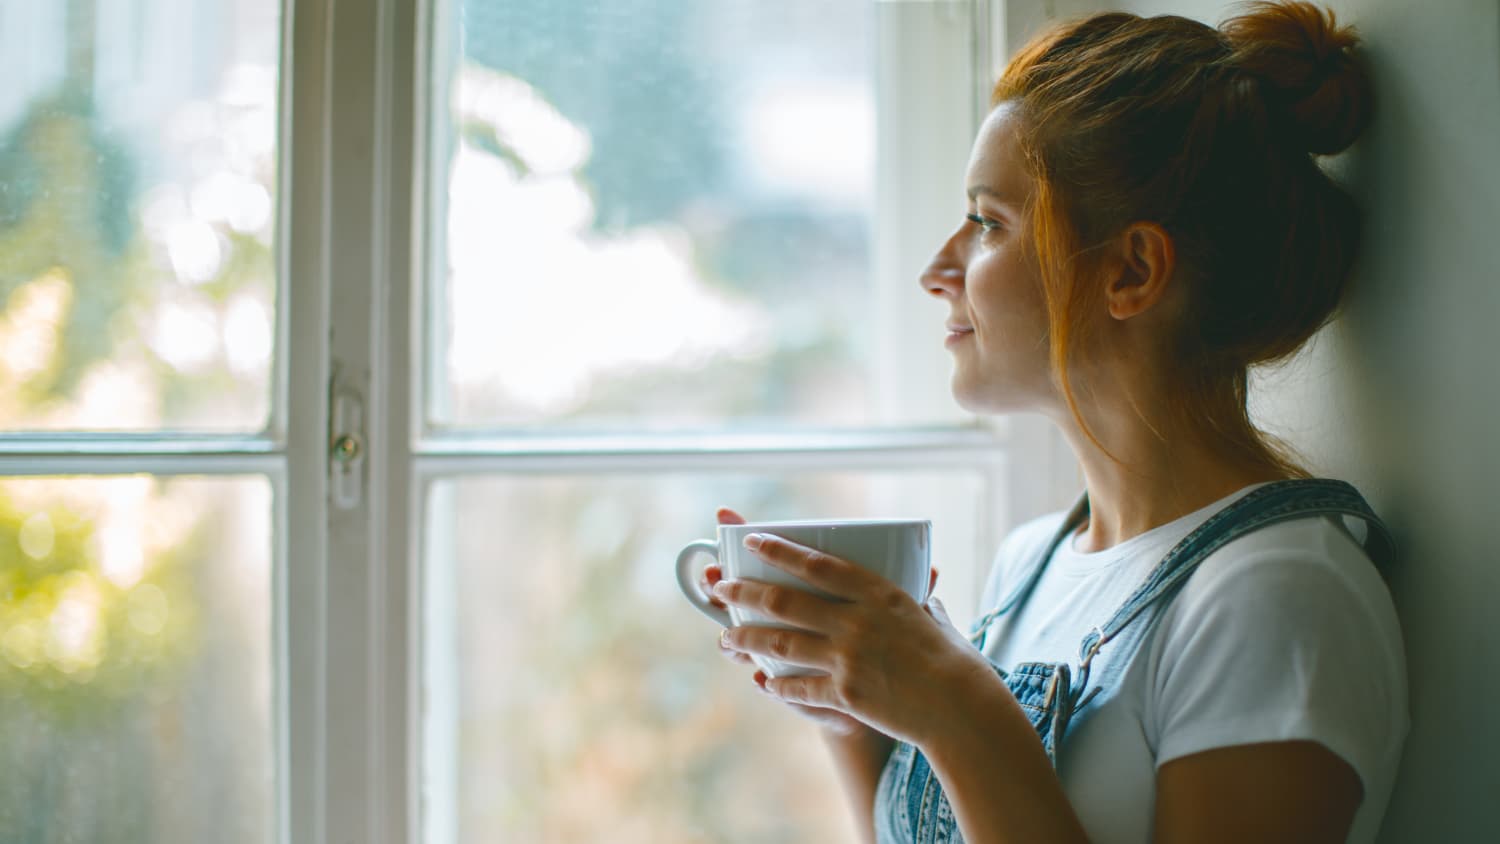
346 447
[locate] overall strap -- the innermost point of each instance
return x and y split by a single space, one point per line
1071 520
1274 502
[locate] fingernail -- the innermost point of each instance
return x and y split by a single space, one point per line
724 638
753 541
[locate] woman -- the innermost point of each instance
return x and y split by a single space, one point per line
1145 222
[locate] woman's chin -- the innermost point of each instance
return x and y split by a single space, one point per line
989 400
983 402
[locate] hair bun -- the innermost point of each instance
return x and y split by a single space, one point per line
1308 67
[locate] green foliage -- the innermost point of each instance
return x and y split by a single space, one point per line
65 200
102 635
75 641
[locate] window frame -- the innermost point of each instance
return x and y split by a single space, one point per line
355 266
927 193
363 85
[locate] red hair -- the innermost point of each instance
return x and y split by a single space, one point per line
1209 133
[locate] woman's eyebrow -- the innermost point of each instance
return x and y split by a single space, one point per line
976 190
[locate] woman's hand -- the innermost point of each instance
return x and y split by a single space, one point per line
892 663
831 720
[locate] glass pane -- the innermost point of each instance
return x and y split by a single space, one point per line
135 660
573 695
138 163
658 214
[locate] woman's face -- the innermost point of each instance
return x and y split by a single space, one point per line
987 272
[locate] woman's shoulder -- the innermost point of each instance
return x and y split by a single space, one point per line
1319 552
1302 583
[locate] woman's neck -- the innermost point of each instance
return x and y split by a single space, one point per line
1161 479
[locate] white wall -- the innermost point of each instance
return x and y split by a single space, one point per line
1402 396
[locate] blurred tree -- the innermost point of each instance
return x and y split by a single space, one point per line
101 677
65 209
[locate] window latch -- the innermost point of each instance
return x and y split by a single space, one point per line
346 446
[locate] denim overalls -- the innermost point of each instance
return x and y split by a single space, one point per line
910 807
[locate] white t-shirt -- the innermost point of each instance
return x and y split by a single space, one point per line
1287 632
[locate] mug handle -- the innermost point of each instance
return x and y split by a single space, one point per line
687 579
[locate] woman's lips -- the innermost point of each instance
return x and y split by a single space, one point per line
955 334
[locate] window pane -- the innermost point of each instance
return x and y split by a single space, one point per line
135 660
572 694
137 200
658 214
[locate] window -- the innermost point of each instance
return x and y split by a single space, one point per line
142 447
366 364
657 222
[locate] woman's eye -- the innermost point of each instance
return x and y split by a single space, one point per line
983 222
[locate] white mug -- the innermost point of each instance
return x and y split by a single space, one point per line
897 549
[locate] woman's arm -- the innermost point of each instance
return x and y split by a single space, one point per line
995 773
1288 791
859 758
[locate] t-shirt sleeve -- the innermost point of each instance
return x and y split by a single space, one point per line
1278 646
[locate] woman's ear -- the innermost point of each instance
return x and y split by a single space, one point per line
1142 271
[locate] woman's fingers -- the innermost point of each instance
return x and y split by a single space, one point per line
831 574
829 719
781 603
798 647
711 574
734 655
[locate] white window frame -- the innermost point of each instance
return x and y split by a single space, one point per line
352 260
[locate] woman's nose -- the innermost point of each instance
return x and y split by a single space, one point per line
945 272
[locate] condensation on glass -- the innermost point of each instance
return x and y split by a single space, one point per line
137 214
136 662
655 214
572 695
